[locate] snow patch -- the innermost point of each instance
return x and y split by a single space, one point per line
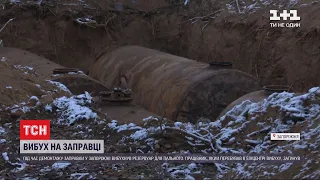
60 165
74 108
126 127
20 167
5 156
2 130
48 108
60 86
79 175
29 178
25 69
182 171
284 167
87 20
139 135
149 119
255 121
113 124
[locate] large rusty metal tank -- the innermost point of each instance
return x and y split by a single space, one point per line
257 96
254 97
178 88
76 83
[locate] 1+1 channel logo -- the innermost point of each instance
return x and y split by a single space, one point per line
292 15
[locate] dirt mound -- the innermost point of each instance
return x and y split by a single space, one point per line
19 83
244 129
22 90
22 58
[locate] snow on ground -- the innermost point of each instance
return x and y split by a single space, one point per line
244 129
87 20
25 107
5 156
25 69
70 109
60 165
280 112
130 126
252 6
70 73
18 166
184 171
2 130
79 175
141 133
74 108
60 86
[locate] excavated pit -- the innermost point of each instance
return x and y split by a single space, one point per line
199 31
286 56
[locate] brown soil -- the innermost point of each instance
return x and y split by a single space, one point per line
274 55
127 114
42 66
18 83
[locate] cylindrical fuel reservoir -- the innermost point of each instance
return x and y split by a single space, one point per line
178 88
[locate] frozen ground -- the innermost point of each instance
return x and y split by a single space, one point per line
244 129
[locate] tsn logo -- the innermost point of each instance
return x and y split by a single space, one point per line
35 130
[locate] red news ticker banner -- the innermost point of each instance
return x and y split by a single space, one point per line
35 130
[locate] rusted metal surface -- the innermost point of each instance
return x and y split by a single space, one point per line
179 88
275 89
65 70
219 65
78 84
117 95
41 65
255 96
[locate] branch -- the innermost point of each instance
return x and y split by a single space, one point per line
206 18
206 141
6 24
237 3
